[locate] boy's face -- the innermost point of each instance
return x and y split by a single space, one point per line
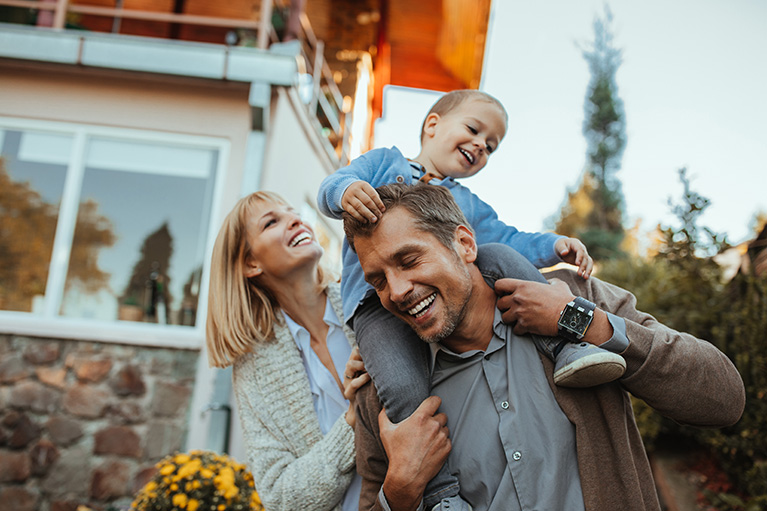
459 143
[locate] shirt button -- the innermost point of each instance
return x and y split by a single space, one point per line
505 405
400 179
517 456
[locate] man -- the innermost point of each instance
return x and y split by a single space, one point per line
518 441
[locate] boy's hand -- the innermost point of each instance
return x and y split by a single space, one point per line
362 202
574 252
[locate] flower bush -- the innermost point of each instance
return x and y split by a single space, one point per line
199 481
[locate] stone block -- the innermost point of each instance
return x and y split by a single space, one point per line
53 376
128 381
14 466
18 498
110 480
143 476
63 430
64 505
32 395
13 368
162 439
92 370
23 430
69 475
126 412
86 401
43 454
170 399
38 352
118 440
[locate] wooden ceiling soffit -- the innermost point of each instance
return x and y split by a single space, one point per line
461 44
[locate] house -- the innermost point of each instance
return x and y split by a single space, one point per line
128 129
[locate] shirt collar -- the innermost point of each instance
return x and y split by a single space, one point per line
497 342
301 335
419 171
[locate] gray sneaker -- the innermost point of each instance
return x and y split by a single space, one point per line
452 504
586 365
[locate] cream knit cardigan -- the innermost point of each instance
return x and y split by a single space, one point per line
293 464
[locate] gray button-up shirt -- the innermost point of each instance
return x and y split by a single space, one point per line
513 447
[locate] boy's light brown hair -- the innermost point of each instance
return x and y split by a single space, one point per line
453 99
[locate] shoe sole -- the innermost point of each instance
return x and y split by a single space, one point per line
589 373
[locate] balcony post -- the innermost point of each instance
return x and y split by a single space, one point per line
60 14
265 24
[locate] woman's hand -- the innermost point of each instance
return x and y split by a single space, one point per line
355 377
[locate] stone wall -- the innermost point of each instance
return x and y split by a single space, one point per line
84 422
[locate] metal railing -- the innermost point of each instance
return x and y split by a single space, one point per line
326 105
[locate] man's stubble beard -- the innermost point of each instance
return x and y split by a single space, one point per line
453 318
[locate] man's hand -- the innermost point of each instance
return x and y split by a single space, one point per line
362 202
417 448
573 251
532 307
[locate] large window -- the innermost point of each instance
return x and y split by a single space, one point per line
104 225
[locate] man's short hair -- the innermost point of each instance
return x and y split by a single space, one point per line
433 209
456 98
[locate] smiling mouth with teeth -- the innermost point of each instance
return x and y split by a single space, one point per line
420 308
300 238
469 157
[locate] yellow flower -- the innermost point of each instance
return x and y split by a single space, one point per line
193 505
180 500
231 492
180 459
207 473
167 469
189 468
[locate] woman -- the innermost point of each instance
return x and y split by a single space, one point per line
275 316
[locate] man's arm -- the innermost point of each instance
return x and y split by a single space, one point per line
684 378
399 458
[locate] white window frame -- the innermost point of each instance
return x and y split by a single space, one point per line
49 324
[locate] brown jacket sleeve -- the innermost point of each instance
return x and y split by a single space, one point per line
685 378
371 457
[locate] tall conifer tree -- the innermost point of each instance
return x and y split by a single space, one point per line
594 211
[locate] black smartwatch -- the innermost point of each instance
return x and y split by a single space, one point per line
575 319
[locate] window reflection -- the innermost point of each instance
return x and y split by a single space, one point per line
138 225
33 168
156 199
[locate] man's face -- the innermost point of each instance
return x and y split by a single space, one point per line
417 278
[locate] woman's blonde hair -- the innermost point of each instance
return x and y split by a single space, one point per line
240 310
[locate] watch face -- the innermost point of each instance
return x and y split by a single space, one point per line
574 320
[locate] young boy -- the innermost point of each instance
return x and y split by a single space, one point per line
458 135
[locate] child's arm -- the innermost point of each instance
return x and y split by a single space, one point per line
537 247
573 251
370 168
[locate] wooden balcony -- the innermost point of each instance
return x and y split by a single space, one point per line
251 23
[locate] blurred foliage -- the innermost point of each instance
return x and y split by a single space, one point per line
593 212
27 229
682 287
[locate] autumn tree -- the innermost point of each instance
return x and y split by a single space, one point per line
149 280
594 211
27 230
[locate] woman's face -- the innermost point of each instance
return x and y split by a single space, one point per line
279 242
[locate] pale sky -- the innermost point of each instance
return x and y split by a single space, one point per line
694 86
